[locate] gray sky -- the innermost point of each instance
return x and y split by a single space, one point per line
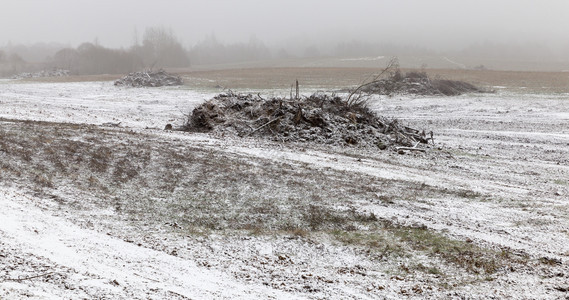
438 24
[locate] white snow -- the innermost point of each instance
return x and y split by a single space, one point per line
97 103
511 148
368 58
107 259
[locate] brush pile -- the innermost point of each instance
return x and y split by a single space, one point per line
320 118
418 83
149 79
43 73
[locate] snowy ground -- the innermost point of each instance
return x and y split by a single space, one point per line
496 188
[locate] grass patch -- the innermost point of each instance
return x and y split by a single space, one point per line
385 240
465 255
150 181
150 177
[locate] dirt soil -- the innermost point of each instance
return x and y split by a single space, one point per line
99 201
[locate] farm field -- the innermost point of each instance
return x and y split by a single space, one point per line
99 201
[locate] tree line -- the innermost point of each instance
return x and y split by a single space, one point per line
159 49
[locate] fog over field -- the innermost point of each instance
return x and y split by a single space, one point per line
438 24
483 31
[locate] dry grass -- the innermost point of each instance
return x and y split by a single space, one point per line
147 179
332 78
387 240
540 82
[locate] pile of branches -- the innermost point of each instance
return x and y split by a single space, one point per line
418 83
320 118
149 79
43 73
392 81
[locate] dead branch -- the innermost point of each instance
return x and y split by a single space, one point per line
411 149
146 277
392 64
28 278
262 126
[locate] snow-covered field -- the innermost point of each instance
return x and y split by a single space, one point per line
483 214
96 103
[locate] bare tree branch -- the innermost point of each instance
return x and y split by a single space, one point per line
391 65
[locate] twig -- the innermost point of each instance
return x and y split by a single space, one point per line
411 149
393 63
27 278
262 126
146 277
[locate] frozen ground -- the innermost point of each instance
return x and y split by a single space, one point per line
96 103
498 180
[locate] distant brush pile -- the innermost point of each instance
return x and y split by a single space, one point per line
418 83
320 118
43 73
149 79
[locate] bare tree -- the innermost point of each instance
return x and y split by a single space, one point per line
66 59
161 48
212 51
17 63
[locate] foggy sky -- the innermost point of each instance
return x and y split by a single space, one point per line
436 24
